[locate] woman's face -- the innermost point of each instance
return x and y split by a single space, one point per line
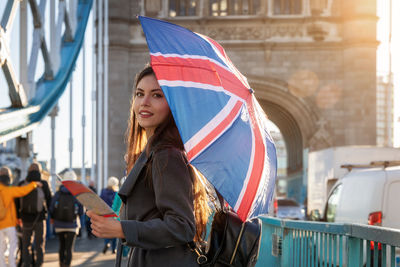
150 106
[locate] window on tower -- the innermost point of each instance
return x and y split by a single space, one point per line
182 8
287 7
234 7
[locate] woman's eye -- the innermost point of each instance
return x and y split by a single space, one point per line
158 95
139 94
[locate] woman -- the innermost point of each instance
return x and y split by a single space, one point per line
65 210
8 233
164 204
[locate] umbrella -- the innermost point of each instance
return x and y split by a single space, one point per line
222 126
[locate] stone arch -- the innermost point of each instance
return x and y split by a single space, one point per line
294 116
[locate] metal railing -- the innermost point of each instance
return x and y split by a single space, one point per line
300 243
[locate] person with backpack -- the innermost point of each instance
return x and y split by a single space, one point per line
108 195
64 211
164 204
8 214
32 211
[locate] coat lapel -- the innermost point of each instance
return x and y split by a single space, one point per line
130 181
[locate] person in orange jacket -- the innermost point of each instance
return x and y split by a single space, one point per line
9 222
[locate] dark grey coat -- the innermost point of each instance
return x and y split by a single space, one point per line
158 221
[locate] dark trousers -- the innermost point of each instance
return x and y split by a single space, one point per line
67 240
88 227
113 242
35 231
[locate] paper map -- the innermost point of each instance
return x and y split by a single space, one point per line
89 199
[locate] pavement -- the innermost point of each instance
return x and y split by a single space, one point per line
88 253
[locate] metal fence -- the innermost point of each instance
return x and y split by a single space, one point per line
299 243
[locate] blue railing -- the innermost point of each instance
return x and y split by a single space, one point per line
298 243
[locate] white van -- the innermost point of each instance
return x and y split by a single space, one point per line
368 196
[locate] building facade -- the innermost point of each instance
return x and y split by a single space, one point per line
384 111
312 64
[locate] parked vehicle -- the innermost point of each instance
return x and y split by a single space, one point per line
325 168
366 196
288 208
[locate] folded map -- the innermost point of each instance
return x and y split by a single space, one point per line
89 199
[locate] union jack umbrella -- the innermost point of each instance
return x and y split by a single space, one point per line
221 124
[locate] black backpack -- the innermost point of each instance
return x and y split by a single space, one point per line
33 202
231 242
65 208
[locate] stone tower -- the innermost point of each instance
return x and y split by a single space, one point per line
312 64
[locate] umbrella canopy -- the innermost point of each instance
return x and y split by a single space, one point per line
221 124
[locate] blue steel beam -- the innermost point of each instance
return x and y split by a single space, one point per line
17 121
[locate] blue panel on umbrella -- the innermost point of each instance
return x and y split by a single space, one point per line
262 201
193 108
225 163
168 38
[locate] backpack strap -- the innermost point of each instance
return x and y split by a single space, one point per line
214 196
220 199
201 257
119 253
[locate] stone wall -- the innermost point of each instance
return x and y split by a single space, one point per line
314 74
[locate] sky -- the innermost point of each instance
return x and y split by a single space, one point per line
42 134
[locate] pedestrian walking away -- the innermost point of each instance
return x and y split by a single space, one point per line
92 186
164 204
32 212
8 220
108 195
65 211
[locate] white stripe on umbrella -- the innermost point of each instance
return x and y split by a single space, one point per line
249 170
210 127
186 56
265 174
194 85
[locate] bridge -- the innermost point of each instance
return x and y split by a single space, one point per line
57 36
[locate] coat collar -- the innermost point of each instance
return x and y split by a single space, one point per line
133 175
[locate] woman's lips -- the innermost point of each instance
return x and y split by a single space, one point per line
145 114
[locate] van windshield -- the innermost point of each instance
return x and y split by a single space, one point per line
333 201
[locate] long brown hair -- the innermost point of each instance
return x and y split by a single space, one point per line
165 135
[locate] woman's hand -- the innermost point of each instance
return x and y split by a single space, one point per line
105 227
